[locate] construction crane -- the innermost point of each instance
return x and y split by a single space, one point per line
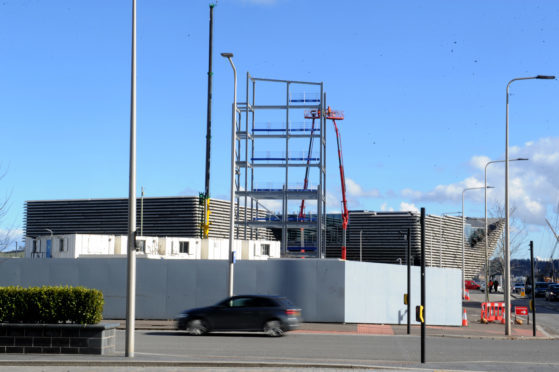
553 251
331 115
312 114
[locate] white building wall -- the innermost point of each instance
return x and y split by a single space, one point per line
76 245
88 244
170 247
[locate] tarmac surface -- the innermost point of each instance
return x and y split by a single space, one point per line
474 330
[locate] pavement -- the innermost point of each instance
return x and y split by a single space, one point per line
474 329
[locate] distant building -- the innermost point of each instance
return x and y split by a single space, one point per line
381 237
168 221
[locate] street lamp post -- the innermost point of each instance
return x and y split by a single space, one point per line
507 242
487 270
229 56
463 225
131 249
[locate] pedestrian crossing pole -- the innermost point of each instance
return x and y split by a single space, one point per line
532 276
422 285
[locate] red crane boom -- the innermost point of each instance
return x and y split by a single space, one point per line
332 115
338 115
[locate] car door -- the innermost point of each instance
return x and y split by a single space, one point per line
262 309
232 314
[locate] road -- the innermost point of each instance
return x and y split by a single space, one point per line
547 314
356 350
169 350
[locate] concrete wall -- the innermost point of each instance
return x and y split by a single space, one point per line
326 290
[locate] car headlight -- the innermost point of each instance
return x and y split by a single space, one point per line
182 315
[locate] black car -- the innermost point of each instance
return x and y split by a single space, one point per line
552 292
273 315
541 287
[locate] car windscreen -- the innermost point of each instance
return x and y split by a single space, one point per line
541 285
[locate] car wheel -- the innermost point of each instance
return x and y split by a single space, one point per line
273 328
196 327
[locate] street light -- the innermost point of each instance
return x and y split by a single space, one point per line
131 249
507 248
486 227
229 56
463 225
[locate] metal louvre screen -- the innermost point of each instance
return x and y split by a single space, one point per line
163 216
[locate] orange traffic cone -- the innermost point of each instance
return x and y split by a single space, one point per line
467 295
464 319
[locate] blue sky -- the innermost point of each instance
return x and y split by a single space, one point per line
422 85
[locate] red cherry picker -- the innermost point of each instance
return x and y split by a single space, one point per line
331 115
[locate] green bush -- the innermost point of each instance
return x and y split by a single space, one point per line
51 305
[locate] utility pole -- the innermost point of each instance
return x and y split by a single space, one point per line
142 213
206 217
423 317
532 276
408 262
131 256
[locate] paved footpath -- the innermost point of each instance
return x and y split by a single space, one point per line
475 328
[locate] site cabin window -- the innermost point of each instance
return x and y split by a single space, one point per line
141 245
184 247
61 245
265 249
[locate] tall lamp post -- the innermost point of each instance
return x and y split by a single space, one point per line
487 271
507 242
229 56
131 249
463 225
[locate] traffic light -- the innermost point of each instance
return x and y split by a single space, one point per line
419 314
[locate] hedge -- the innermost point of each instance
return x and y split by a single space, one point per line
51 305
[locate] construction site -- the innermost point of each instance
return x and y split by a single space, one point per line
279 196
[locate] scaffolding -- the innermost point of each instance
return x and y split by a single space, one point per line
280 162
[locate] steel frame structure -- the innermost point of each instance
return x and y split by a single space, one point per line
248 138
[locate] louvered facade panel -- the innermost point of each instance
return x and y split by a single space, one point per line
163 216
380 237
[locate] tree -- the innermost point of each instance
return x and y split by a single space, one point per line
5 234
517 236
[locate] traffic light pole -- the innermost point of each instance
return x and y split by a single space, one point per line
532 276
423 285
409 279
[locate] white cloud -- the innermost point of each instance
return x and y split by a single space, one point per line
272 205
479 162
408 207
332 201
355 190
533 184
386 208
443 193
